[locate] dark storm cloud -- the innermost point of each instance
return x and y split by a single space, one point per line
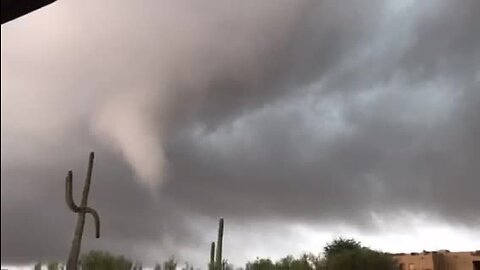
312 111
414 145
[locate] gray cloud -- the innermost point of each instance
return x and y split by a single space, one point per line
309 111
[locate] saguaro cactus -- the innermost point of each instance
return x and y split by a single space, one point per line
212 257
81 211
218 259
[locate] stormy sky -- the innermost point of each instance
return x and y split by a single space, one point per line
294 120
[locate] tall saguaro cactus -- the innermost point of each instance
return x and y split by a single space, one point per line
212 257
81 211
218 259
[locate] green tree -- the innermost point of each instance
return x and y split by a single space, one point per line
52 266
37 266
260 264
187 266
137 266
317 262
284 263
157 267
348 254
362 259
100 260
340 245
226 265
304 262
171 264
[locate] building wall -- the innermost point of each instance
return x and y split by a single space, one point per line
416 262
459 260
443 260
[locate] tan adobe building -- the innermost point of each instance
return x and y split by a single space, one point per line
439 260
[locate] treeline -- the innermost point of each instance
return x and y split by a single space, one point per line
339 254
103 260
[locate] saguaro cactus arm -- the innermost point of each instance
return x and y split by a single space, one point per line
96 218
88 179
69 193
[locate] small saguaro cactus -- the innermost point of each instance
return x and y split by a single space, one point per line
81 211
212 257
218 259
